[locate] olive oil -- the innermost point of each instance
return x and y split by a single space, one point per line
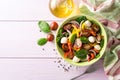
61 8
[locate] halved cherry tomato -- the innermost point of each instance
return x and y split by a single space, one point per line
65 47
92 56
93 33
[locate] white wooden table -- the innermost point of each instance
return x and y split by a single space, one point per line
20 56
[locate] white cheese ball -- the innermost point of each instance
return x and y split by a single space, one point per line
97 47
76 59
88 23
91 39
78 42
64 40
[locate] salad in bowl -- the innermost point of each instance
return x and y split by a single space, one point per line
81 40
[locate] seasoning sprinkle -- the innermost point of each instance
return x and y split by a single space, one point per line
43 49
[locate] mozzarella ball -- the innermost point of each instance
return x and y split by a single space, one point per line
97 47
78 42
76 59
64 40
91 39
88 23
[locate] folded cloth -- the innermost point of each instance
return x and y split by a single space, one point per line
108 13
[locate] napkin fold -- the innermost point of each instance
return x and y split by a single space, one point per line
108 13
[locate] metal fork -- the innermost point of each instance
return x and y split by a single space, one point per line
90 69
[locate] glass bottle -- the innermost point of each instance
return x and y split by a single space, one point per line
61 8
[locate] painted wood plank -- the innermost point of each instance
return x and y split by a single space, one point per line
44 69
25 10
19 39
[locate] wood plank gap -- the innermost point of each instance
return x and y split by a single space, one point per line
28 20
30 57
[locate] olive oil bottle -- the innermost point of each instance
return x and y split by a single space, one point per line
61 8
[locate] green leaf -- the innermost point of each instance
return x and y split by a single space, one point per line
84 39
82 54
59 36
81 18
102 43
42 41
72 38
98 55
44 26
60 33
58 41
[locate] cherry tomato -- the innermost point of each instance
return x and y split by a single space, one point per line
54 25
93 33
65 47
50 37
92 56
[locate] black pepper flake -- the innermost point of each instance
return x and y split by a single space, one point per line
53 49
60 64
43 49
66 70
68 67
40 31
59 61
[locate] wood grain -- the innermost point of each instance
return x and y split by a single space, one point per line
20 56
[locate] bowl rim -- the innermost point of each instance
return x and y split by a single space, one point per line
102 51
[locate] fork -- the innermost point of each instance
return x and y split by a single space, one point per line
90 69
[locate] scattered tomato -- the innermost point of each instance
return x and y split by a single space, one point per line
54 25
50 37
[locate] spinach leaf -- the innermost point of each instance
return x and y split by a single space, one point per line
84 39
44 26
98 55
81 18
59 36
82 54
102 43
58 41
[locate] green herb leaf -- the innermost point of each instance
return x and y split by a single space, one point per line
81 18
58 41
102 43
84 39
82 54
98 55
72 38
60 33
42 41
44 26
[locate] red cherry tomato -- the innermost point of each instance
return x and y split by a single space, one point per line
50 37
54 25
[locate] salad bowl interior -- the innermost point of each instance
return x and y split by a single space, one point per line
81 63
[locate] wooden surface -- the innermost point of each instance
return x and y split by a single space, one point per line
20 56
